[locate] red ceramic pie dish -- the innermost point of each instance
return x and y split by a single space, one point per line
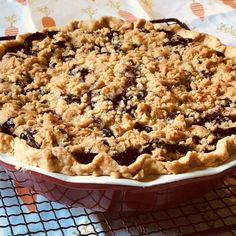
108 194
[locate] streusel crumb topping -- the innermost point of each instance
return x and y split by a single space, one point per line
117 94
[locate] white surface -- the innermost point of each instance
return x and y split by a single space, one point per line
163 179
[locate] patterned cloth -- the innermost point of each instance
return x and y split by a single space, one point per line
217 17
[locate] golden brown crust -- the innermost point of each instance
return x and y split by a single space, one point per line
167 132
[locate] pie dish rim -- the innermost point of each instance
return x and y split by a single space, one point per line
99 182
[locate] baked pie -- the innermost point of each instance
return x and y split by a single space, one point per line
109 97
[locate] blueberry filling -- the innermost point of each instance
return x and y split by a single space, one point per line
36 36
24 80
113 37
51 34
83 73
173 115
36 90
225 102
141 95
107 132
121 97
196 139
170 147
219 54
28 78
179 41
7 126
130 155
131 74
105 143
71 98
135 45
52 65
131 109
187 84
99 49
214 117
26 47
66 58
15 49
61 44
221 133
141 128
97 120
207 74
127 157
117 47
84 158
111 34
209 149
29 42
90 101
28 136
75 70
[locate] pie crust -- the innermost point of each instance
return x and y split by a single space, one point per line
110 97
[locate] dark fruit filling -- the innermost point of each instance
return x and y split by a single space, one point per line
7 126
28 136
214 117
71 98
207 74
77 70
127 157
84 158
141 128
219 54
107 132
130 155
170 147
179 41
221 133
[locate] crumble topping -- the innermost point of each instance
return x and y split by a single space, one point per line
127 100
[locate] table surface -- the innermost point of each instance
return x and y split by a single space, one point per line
25 213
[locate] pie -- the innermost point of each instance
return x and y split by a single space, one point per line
109 97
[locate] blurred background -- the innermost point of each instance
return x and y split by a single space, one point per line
217 17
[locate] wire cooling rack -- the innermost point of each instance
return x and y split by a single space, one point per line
212 214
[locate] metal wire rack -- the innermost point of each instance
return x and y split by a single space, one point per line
212 214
